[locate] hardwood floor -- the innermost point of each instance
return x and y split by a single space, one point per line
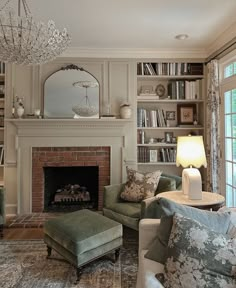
26 226
22 233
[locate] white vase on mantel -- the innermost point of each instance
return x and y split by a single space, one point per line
20 111
125 111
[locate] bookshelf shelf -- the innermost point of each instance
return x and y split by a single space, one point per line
168 77
157 163
171 128
146 99
157 145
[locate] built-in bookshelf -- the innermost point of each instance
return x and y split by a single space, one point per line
2 115
170 103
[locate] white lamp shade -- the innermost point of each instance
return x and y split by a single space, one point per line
190 152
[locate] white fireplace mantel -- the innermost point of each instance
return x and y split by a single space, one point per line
114 133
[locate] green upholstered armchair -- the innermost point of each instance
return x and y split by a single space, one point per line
129 213
2 211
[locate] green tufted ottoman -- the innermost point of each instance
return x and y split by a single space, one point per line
82 236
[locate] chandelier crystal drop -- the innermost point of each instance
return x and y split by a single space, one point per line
27 42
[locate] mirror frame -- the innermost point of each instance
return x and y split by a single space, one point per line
64 68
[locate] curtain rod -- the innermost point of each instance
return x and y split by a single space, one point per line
227 48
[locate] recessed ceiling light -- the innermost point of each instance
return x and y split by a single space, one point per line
181 36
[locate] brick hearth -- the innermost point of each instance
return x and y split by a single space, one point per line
65 157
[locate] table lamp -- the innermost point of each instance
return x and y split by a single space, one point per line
191 152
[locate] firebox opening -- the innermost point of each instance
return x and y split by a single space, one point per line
70 188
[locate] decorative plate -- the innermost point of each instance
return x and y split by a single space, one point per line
160 90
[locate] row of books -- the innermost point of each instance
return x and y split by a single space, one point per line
171 69
150 118
182 89
147 155
2 68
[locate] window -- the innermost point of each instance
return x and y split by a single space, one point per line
230 70
228 132
230 146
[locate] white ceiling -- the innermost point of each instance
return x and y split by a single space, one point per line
138 25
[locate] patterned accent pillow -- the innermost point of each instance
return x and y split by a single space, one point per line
198 257
139 185
232 225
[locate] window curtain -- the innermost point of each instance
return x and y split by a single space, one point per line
213 127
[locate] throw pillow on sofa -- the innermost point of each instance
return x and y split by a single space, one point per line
232 225
198 257
140 186
216 221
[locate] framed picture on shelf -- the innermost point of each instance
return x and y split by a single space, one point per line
153 155
170 115
186 114
147 90
168 137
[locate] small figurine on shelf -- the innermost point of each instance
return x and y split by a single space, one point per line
20 107
195 122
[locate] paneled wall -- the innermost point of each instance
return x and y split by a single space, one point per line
117 85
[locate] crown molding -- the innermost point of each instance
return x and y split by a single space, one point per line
134 53
226 37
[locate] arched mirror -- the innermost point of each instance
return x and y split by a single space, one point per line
71 92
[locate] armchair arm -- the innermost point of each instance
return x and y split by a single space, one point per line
2 204
112 194
149 208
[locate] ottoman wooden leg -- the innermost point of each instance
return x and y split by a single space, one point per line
1 231
78 274
49 249
117 254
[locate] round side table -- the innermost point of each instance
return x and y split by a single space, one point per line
209 201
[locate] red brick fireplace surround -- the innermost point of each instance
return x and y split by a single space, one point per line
67 156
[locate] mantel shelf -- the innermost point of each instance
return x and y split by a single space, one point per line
88 123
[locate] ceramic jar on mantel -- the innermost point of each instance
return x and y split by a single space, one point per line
125 111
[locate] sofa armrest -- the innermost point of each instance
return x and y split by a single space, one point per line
111 194
148 230
2 204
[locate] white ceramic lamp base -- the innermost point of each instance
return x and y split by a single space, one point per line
192 183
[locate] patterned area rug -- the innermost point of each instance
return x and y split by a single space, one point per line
23 264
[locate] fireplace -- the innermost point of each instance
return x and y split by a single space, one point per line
106 143
55 163
70 188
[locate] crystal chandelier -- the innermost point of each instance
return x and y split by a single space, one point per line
85 109
25 41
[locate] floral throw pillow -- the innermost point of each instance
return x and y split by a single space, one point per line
139 185
198 257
